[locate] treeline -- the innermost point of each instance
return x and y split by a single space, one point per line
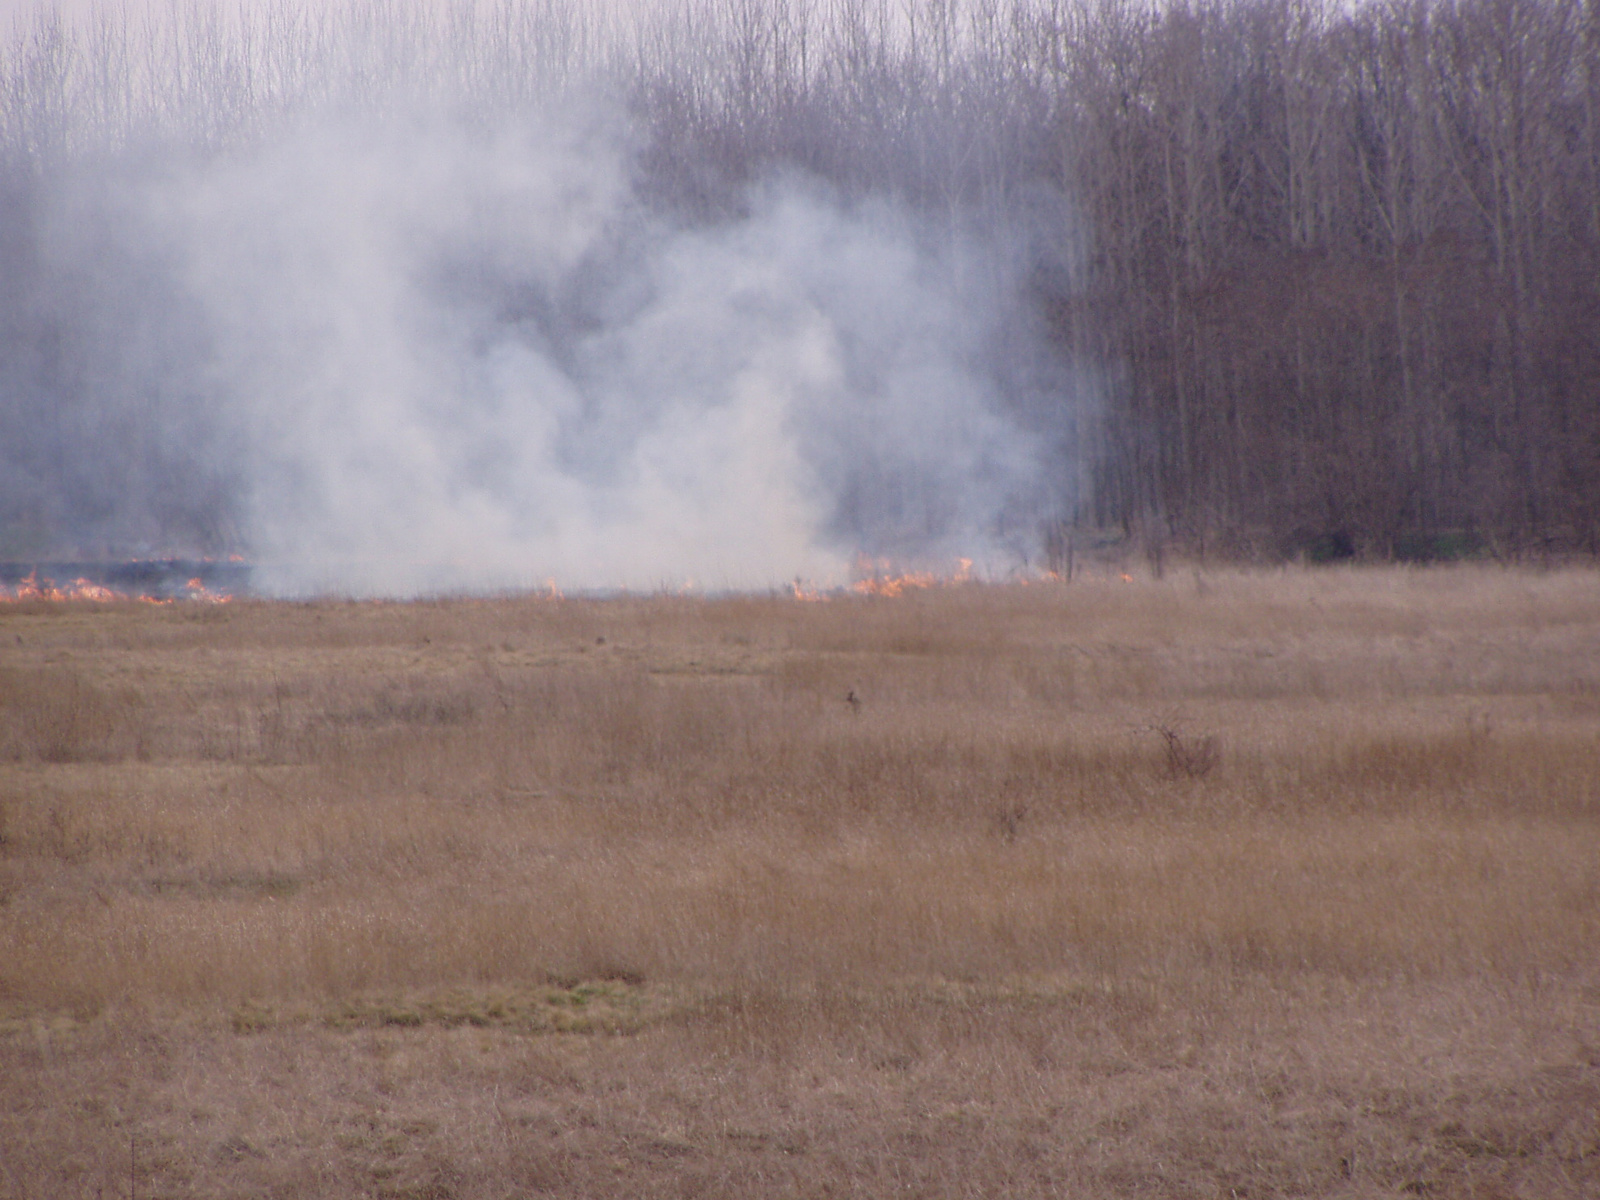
1339 268
1334 270
1352 263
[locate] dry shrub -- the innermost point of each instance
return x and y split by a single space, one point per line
1192 756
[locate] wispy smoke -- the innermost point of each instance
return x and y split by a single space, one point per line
425 351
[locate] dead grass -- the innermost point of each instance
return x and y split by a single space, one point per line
1260 883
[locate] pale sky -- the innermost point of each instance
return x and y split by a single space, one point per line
12 11
13 8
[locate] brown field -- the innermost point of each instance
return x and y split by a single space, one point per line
1224 884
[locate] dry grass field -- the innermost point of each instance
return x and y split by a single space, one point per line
1225 884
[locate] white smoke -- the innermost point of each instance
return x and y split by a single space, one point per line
409 348
464 358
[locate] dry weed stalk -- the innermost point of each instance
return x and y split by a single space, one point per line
1187 756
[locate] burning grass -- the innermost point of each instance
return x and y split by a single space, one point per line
1283 883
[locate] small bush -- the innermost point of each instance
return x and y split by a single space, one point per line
1188 757
1439 547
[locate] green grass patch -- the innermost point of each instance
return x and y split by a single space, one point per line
600 1006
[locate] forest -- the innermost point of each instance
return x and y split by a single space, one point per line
1325 278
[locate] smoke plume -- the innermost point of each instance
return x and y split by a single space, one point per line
425 348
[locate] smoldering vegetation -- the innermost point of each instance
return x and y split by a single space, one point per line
732 290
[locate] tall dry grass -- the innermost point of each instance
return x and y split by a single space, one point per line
1266 884
277 801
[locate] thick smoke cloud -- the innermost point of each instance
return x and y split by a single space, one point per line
418 352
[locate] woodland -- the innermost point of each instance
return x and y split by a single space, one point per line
1332 272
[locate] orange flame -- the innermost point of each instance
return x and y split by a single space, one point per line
881 581
199 591
82 589
32 588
